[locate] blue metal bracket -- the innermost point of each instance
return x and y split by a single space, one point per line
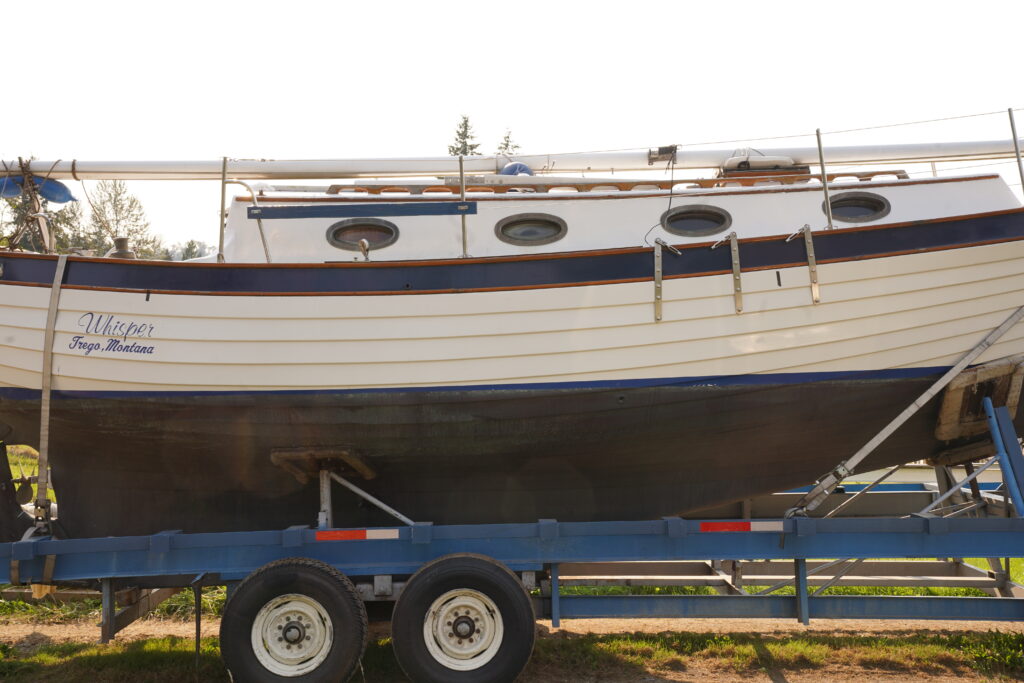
556 608
1011 460
803 607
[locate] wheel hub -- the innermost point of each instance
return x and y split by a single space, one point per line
463 629
291 635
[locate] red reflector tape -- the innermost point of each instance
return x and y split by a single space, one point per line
357 535
342 535
742 526
725 526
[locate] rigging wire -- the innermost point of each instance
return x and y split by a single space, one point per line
802 135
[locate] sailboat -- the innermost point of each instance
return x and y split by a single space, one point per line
495 339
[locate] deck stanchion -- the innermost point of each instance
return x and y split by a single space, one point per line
1016 147
222 219
824 179
462 198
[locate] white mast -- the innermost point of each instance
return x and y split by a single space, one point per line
267 169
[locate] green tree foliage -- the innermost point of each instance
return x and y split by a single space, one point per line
464 137
118 213
507 146
115 212
65 224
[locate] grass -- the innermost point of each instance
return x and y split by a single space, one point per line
179 606
567 657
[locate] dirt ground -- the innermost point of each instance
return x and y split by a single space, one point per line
28 636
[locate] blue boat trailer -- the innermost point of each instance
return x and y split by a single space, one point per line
467 596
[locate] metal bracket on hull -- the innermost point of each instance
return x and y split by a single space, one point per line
657 281
812 262
737 282
658 244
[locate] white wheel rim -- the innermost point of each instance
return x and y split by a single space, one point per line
463 629
292 635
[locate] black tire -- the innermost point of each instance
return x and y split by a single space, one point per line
315 585
474 576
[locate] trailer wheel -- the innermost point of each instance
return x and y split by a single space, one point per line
463 618
294 619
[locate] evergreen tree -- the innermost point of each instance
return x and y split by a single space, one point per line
507 146
189 250
464 137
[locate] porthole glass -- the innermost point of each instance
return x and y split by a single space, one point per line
347 233
696 220
530 229
858 207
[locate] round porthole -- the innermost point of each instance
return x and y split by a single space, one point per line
696 220
858 207
530 229
347 233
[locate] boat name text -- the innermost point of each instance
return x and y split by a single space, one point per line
108 325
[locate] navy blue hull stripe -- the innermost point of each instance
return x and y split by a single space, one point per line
363 210
501 273
782 378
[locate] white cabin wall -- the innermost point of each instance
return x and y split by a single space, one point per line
605 221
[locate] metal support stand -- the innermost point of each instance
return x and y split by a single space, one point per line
325 520
827 484
325 498
556 610
803 614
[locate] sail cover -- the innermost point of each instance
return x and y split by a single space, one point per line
50 190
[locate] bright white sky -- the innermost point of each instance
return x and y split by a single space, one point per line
201 80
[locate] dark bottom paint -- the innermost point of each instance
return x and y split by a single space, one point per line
138 465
